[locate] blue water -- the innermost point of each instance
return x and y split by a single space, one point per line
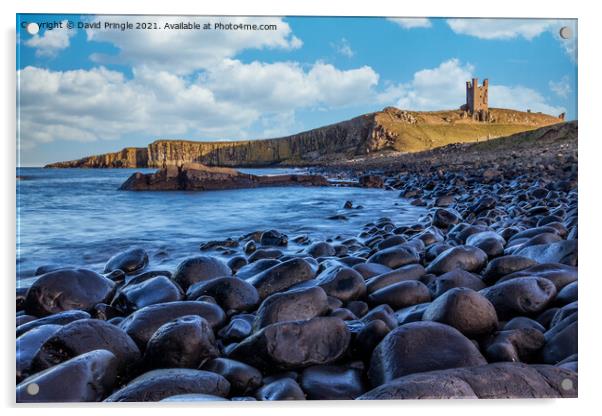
78 217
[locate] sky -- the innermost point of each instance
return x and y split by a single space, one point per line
91 90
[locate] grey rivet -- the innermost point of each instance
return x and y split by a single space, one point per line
32 28
33 389
565 32
566 384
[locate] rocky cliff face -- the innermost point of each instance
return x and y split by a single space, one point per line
388 129
130 157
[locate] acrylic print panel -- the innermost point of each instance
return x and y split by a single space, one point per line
295 208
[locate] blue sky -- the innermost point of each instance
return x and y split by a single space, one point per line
93 91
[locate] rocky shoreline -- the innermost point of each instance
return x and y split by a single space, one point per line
477 299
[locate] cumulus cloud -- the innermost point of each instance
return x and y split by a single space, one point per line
411 22
343 47
561 88
184 51
51 42
99 104
514 28
443 87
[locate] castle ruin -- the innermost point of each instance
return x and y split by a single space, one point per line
477 100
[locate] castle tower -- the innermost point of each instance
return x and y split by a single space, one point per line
477 97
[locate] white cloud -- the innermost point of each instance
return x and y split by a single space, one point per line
444 87
184 51
99 104
514 28
52 41
343 48
411 22
561 88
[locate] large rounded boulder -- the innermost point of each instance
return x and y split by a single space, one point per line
199 268
142 324
471 259
282 276
464 309
292 305
293 345
231 293
418 347
520 296
67 289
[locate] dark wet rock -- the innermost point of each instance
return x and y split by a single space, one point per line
435 249
471 259
408 272
445 218
321 249
392 241
239 327
340 282
454 279
192 397
505 265
104 312
20 299
369 270
328 382
418 347
185 342
265 253
401 295
520 296
149 274
371 181
561 340
411 313
282 276
333 303
488 241
568 294
47 268
256 267
28 345
561 313
67 289
142 324
199 268
134 296
243 378
492 381
546 317
216 244
23 319
288 345
358 307
273 238
83 336
282 389
231 293
236 262
514 345
250 247
383 313
293 305
464 309
61 318
90 376
559 274
523 322
129 261
159 384
344 314
348 205
564 252
395 257
368 337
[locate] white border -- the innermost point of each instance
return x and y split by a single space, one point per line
589 183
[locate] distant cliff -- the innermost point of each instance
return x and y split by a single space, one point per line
390 129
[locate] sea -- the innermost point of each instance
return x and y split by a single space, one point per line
79 217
